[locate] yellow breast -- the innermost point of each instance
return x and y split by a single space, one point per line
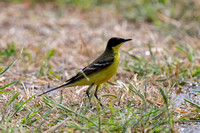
109 71
101 76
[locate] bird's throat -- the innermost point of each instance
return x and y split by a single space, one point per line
116 48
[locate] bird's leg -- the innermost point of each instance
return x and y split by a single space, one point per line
95 94
87 91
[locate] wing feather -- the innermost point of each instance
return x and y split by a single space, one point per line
95 66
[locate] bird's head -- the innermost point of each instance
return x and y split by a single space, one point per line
115 42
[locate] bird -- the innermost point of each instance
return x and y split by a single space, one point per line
99 71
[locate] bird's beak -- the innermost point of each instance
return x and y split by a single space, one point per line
126 40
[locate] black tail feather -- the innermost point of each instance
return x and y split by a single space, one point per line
54 89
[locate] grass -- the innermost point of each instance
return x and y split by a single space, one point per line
111 119
142 103
168 65
46 68
168 15
134 110
4 114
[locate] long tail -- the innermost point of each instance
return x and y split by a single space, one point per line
54 89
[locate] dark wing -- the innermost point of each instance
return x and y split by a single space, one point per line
99 64
95 66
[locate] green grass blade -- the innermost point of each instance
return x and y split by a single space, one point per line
70 110
164 96
21 106
197 91
11 64
194 104
3 87
37 130
111 111
196 73
189 56
152 55
13 98
48 112
172 55
161 79
8 67
7 91
110 95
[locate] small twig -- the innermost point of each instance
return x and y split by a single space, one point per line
84 46
52 129
112 83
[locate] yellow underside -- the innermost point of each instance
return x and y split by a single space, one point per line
100 76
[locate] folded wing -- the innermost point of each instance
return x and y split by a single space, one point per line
94 67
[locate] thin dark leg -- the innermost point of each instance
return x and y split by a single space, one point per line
95 94
88 89
87 93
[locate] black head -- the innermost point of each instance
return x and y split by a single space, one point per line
114 41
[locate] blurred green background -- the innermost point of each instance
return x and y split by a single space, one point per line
181 15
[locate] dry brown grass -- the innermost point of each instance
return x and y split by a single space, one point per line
71 33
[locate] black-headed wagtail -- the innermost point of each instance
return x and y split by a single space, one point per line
100 70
